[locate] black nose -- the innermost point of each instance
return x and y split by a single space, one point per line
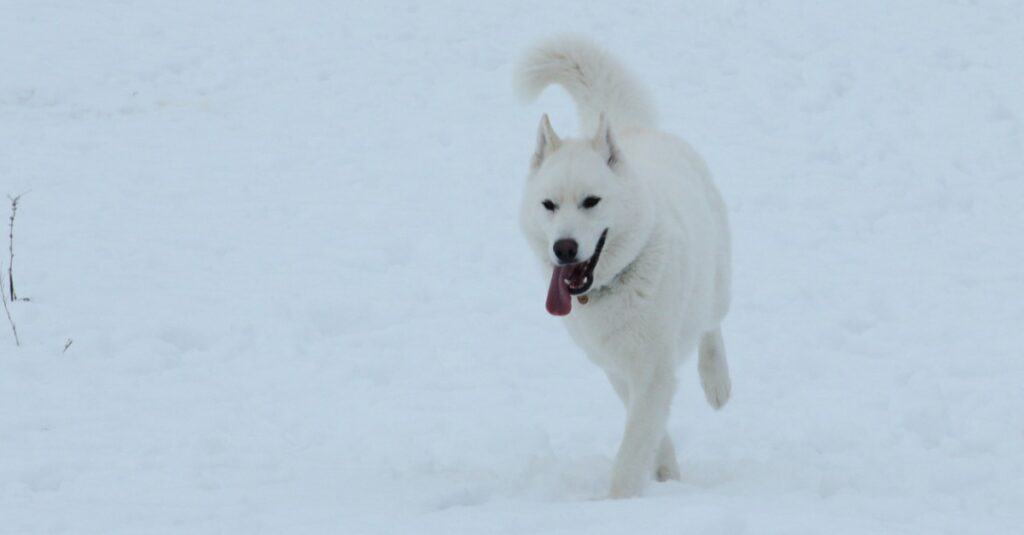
565 250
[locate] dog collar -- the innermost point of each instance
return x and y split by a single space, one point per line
607 288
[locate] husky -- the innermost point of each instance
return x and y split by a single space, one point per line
635 237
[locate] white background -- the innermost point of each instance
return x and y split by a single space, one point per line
283 240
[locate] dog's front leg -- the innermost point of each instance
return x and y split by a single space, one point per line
649 400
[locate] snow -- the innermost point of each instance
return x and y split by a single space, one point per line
283 240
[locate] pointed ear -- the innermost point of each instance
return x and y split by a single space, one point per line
604 142
547 142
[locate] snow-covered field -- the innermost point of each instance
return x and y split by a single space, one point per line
283 240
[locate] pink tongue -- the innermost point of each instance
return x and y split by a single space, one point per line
559 301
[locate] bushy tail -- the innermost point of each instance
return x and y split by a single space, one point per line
595 80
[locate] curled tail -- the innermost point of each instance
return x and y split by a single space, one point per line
596 81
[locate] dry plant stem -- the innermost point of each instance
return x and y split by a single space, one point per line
10 248
7 310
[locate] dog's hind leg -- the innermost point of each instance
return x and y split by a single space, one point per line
713 368
666 467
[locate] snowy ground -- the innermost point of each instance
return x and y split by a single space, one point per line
283 242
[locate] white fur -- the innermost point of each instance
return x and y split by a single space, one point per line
661 286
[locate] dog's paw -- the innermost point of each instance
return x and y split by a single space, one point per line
667 473
623 489
717 390
622 494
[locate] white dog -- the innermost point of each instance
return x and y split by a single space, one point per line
632 228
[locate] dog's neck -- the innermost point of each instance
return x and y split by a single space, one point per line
611 285
635 272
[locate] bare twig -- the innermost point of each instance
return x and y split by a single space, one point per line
10 248
7 310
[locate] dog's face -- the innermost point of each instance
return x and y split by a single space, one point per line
582 213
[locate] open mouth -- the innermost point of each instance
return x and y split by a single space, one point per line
572 279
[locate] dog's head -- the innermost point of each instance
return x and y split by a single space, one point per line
583 213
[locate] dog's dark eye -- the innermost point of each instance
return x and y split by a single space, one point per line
550 205
591 201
